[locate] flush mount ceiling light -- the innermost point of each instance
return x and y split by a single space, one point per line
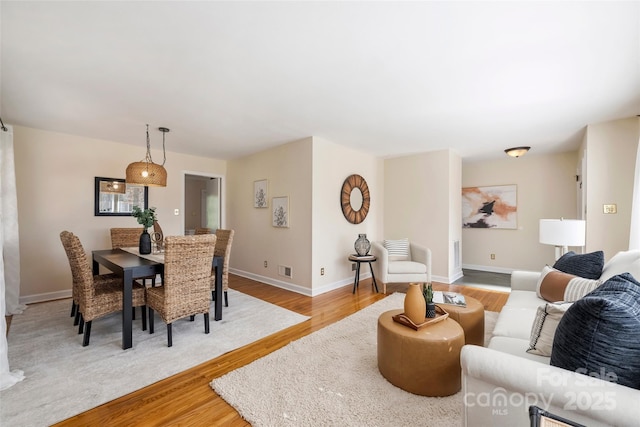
517 151
147 173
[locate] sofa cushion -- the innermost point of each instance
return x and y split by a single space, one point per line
588 265
622 262
554 285
515 322
544 327
600 334
517 347
398 249
406 267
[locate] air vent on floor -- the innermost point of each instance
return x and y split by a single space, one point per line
285 271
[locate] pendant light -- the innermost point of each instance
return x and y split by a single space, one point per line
147 173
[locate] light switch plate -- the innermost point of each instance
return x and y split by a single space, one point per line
610 209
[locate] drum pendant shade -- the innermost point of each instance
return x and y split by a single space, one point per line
146 172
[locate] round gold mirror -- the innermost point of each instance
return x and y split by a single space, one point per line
355 199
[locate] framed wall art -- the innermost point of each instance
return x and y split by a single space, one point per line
260 194
280 209
490 207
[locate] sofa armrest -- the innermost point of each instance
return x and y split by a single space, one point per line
524 280
422 255
498 389
381 266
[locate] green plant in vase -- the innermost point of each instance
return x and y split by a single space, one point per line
427 292
146 218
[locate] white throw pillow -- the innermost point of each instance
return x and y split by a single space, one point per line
544 327
398 249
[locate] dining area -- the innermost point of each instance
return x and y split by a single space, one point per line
180 277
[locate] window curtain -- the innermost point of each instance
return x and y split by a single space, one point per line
634 232
10 259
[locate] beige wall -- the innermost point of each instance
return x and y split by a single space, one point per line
419 204
55 184
288 169
546 186
611 154
310 172
333 235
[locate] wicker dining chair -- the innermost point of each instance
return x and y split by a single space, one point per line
223 248
96 301
130 238
187 274
202 230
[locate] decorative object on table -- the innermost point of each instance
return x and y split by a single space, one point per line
146 218
362 245
355 199
427 292
280 207
414 304
439 316
490 207
260 194
146 172
112 201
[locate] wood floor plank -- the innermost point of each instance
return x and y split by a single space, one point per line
186 399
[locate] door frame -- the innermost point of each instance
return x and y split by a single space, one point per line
223 195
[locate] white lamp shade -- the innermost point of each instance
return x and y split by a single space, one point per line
562 232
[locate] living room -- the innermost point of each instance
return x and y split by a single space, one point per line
571 171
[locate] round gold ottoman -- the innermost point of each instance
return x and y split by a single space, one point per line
424 362
471 318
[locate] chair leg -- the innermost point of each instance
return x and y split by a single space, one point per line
73 309
87 334
206 323
169 338
80 325
144 317
76 321
226 299
213 295
133 313
150 320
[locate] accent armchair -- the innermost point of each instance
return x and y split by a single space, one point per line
400 261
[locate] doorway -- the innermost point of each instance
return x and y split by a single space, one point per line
202 202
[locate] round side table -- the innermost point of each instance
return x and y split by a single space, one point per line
424 362
358 260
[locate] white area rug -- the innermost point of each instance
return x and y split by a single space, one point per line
331 378
63 378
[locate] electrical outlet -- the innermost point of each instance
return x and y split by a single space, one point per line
493 256
353 266
176 211
322 271
265 264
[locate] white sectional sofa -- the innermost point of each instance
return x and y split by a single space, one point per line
501 382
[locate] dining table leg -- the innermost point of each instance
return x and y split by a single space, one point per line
127 303
218 288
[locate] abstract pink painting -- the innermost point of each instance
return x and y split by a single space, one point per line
490 207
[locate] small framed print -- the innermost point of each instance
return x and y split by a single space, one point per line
260 194
280 209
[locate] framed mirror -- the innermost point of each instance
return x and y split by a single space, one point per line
113 197
355 199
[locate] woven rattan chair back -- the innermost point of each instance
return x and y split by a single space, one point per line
223 248
125 237
80 268
202 230
187 274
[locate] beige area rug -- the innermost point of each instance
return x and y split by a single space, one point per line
63 378
331 378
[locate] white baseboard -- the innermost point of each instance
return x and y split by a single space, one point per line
48 296
292 286
488 268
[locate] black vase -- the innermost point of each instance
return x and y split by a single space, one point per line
431 310
145 243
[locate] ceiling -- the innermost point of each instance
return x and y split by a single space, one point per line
390 78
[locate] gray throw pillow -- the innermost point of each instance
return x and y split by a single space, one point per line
599 335
588 265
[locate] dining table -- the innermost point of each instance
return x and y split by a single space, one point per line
131 265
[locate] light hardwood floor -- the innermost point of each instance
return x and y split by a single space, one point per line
186 399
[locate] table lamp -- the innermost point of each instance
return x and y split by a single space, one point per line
562 233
